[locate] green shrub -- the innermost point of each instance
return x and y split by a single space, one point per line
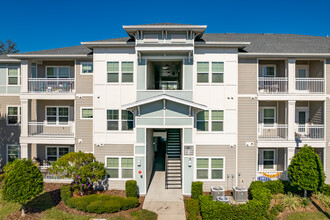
192 206
196 189
292 201
131 188
97 203
325 199
306 202
66 193
275 187
326 189
288 188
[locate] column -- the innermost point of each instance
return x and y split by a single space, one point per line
24 150
25 69
291 120
24 117
290 154
292 75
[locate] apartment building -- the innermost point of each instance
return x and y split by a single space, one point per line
225 109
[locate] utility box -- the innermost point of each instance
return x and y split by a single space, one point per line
240 193
217 191
224 199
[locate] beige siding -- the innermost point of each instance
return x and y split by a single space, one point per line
316 112
327 76
84 127
280 66
280 159
280 109
327 148
41 150
247 76
247 132
41 108
229 154
113 150
84 83
316 69
8 134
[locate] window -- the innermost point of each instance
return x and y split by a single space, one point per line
203 121
58 71
13 115
202 72
112 120
86 113
118 167
13 76
217 120
13 152
217 72
269 70
269 115
86 68
34 70
268 159
53 153
210 168
57 115
127 72
113 71
126 120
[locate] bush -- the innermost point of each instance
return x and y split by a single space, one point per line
292 201
97 203
192 207
275 211
66 193
131 188
22 181
325 199
196 189
326 189
306 202
275 187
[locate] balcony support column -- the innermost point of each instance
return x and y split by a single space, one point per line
291 120
24 150
26 66
292 75
290 154
24 117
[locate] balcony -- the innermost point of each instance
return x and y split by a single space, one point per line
51 85
47 129
310 85
309 132
273 131
273 85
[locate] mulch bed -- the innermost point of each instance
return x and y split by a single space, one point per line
54 190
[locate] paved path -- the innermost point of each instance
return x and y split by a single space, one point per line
167 203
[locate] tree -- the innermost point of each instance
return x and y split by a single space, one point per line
81 167
22 181
8 48
306 170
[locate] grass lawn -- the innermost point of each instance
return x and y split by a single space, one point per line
7 208
309 216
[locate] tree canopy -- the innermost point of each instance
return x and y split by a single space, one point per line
8 47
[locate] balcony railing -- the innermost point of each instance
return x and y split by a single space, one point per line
308 131
270 85
51 85
167 85
50 177
44 129
271 175
310 85
273 131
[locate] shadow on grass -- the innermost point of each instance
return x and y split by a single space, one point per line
44 201
321 210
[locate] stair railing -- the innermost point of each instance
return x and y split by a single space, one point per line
166 159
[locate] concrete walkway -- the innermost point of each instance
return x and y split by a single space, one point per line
167 203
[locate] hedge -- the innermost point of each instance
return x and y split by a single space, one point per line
131 188
326 189
97 203
192 207
256 208
196 189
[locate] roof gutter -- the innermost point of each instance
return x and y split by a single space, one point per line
22 56
321 55
107 44
222 44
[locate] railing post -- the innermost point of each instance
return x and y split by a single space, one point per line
291 120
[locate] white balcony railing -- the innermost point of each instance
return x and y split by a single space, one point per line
308 131
270 85
51 85
44 129
271 175
50 177
310 85
273 131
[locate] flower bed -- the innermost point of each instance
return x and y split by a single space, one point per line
97 203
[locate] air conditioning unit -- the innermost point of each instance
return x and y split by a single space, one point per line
217 191
224 199
240 193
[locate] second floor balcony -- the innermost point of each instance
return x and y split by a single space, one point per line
46 129
51 85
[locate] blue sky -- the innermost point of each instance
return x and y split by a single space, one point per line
38 25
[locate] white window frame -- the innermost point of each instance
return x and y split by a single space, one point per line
18 74
120 121
210 122
223 73
57 116
262 114
210 169
57 72
81 110
265 66
208 76
274 160
86 74
305 67
57 151
119 70
19 151
18 116
121 73
119 167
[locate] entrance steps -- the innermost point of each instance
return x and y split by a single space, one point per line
173 178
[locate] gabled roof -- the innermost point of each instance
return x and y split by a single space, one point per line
164 97
6 59
165 24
